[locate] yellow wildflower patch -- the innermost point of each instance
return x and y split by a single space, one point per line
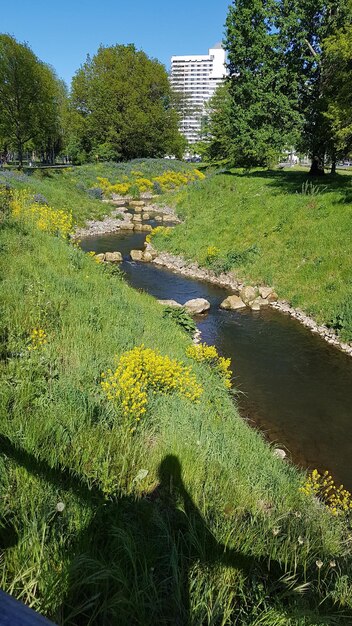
141 370
337 499
53 221
209 354
167 181
37 339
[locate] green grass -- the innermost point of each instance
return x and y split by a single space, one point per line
270 228
190 520
68 188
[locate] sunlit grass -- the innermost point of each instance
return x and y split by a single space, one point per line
93 530
280 233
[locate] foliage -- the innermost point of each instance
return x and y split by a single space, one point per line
305 27
96 193
217 130
220 264
162 232
322 486
310 189
202 353
287 83
181 317
342 319
166 181
336 78
261 115
56 222
37 339
140 370
115 119
134 542
30 99
40 199
264 228
5 198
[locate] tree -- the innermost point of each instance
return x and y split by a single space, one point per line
303 27
264 100
28 97
216 132
122 107
336 88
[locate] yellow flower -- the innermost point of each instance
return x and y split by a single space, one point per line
141 370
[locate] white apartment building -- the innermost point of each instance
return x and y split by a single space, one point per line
196 77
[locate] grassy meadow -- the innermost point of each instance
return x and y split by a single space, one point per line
187 517
279 228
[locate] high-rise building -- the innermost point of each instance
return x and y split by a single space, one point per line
196 77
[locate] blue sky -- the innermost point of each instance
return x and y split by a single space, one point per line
63 32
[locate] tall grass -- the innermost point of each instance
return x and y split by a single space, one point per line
268 227
190 520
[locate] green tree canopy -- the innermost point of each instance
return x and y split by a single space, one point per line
264 111
121 107
29 99
336 89
280 93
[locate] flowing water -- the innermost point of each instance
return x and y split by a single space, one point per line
293 385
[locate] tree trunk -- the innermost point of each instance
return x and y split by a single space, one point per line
333 167
317 167
20 156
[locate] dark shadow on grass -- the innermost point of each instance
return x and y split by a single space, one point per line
291 181
133 563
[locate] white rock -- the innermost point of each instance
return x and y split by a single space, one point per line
136 255
233 303
197 306
136 204
113 257
248 294
258 304
281 454
171 303
264 292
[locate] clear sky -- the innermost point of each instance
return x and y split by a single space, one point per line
62 32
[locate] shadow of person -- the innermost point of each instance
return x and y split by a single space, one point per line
144 556
133 562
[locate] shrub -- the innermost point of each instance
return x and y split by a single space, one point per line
157 189
134 191
40 199
96 193
140 370
342 321
337 499
209 354
181 317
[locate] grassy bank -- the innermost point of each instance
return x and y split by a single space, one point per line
274 228
189 518
80 189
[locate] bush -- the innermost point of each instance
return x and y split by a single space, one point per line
181 317
342 321
96 193
157 188
40 199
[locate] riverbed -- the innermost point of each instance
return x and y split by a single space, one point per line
291 384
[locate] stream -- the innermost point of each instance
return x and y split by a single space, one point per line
293 386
